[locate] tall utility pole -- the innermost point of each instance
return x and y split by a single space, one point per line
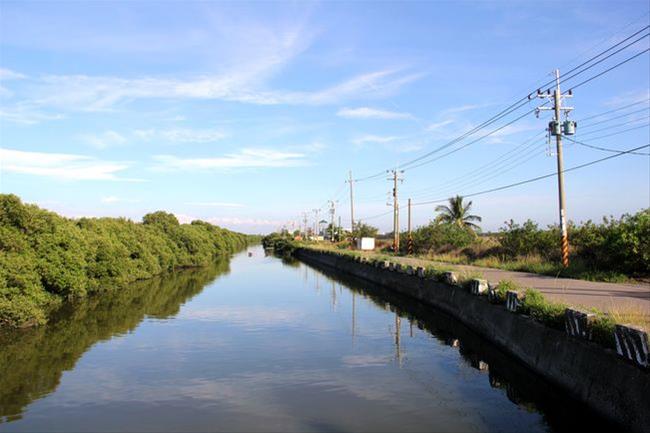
332 213
557 128
304 220
340 229
410 239
316 225
351 182
395 178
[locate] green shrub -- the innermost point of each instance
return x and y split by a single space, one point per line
505 286
436 237
539 308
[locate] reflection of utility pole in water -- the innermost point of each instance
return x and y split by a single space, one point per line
317 283
333 296
354 314
398 352
411 327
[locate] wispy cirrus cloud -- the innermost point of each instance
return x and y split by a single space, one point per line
104 139
246 158
214 204
114 199
23 113
8 74
180 135
437 125
61 165
371 113
370 138
628 98
463 108
92 93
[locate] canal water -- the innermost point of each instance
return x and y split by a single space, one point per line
259 343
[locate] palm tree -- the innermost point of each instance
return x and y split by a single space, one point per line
458 213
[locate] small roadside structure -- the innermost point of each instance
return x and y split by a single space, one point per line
367 244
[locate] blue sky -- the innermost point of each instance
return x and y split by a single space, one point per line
247 114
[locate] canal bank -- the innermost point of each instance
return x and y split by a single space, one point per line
591 374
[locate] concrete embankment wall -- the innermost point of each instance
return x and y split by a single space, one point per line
598 377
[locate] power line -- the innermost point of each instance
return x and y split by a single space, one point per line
610 55
589 125
572 73
609 69
493 165
515 106
497 164
472 142
616 125
619 132
603 148
523 182
512 185
614 110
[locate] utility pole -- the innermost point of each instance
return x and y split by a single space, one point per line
395 178
557 128
351 182
409 246
304 220
340 229
332 213
316 225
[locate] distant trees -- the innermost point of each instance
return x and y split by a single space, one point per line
458 213
362 230
46 258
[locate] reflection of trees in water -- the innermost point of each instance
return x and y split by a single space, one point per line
32 361
290 261
522 387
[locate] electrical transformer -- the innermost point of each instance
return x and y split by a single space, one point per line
569 127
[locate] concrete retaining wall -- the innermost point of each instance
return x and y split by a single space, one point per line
598 377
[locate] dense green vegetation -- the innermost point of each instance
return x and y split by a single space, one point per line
611 250
46 259
281 243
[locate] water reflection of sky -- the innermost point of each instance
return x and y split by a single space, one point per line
272 347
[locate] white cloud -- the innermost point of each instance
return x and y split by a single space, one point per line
104 139
60 165
88 93
315 147
437 125
628 98
8 74
246 158
462 108
235 221
214 204
369 138
371 113
114 199
181 135
25 114
509 130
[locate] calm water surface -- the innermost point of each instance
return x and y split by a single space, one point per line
264 344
